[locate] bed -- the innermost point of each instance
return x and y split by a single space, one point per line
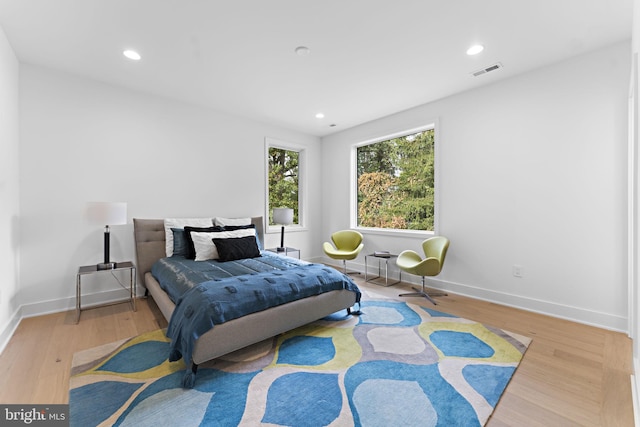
151 237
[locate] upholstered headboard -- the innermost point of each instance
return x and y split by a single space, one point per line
150 241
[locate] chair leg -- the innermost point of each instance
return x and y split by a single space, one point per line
344 263
423 293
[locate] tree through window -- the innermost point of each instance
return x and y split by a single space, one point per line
395 179
284 181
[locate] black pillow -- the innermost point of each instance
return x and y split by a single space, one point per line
236 248
244 227
238 227
190 249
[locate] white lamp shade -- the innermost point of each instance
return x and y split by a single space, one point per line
282 216
107 213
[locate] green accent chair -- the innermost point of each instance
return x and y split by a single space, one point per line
347 244
435 251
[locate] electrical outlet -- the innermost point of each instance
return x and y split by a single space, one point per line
518 270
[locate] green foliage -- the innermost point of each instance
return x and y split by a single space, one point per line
396 183
283 181
379 157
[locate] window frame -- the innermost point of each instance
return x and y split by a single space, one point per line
431 124
302 184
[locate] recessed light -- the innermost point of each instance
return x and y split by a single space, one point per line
320 116
302 50
132 54
475 49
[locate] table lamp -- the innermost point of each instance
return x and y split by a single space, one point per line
282 216
107 213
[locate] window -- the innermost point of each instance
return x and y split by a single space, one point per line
395 179
284 163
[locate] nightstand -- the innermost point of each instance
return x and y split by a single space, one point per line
93 269
287 251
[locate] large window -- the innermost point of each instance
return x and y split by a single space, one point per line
283 177
396 182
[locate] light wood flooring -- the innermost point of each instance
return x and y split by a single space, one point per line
571 375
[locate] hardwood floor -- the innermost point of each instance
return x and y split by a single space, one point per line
571 375
35 365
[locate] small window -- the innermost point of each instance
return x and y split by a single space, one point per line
283 170
395 180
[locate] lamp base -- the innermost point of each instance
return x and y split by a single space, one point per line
281 249
107 266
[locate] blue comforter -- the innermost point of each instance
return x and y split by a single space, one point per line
176 274
216 301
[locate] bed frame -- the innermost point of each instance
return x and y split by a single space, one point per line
238 333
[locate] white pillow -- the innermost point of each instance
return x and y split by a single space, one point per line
181 223
203 241
231 221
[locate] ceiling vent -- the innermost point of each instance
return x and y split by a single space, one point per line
490 68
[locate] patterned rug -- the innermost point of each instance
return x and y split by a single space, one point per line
396 364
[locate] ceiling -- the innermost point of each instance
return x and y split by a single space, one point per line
367 59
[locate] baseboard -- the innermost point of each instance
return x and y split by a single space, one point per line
10 329
56 306
69 303
549 308
562 311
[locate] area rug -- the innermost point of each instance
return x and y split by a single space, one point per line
397 364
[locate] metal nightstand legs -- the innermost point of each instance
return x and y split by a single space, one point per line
92 269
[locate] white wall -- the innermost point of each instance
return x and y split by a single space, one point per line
633 204
86 141
9 201
532 172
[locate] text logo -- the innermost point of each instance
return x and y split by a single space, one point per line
37 415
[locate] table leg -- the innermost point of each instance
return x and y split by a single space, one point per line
78 296
133 288
365 269
386 272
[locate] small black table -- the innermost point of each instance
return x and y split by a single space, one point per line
386 258
286 251
93 269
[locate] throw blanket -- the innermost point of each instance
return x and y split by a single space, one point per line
218 301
